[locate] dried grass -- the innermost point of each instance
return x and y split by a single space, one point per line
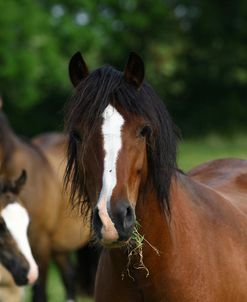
135 249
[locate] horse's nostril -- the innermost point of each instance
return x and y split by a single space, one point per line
129 217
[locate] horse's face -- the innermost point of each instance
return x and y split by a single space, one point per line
15 252
120 165
122 145
114 161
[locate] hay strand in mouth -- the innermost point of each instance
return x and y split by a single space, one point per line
135 248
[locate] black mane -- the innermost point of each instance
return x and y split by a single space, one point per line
107 85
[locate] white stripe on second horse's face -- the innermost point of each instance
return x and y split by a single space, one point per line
17 221
112 142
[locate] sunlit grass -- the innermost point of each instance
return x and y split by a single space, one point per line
195 152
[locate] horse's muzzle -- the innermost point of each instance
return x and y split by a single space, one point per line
20 274
122 218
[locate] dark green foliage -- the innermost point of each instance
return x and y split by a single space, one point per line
195 54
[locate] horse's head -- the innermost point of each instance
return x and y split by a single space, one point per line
15 252
116 153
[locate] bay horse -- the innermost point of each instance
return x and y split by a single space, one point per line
15 251
166 235
55 229
80 278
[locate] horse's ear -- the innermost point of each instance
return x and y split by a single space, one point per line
77 69
134 70
20 181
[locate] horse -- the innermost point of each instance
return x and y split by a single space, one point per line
15 251
166 235
55 229
54 146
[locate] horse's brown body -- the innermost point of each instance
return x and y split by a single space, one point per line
54 229
203 245
71 232
120 129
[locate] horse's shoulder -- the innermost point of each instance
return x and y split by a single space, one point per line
228 177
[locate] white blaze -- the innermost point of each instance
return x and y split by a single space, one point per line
17 221
111 130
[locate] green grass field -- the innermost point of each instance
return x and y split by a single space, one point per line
191 153
195 152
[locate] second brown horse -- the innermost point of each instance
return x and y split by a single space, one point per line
54 229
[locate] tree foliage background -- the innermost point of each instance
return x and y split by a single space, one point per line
195 53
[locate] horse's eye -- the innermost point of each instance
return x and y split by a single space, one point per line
144 131
76 136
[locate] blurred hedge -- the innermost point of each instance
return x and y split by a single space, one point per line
195 54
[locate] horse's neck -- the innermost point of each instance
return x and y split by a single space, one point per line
190 205
165 233
196 211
